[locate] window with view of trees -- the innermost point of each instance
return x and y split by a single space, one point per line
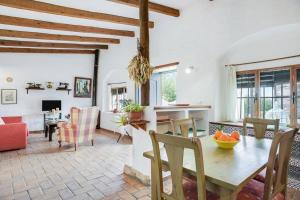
168 87
270 94
117 94
163 87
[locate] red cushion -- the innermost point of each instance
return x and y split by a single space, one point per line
261 177
11 120
191 193
254 190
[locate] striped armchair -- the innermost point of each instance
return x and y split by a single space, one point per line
82 126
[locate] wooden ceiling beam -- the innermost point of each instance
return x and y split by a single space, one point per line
166 65
155 7
33 50
46 36
16 43
70 12
17 21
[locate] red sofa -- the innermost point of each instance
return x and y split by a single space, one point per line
13 134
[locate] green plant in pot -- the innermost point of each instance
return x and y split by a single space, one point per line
135 111
122 120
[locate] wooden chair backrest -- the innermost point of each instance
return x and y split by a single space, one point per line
260 126
184 125
175 146
277 167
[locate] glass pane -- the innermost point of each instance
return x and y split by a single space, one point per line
298 110
247 107
239 108
239 90
298 88
252 92
275 95
298 95
286 89
168 86
268 91
278 90
246 90
266 104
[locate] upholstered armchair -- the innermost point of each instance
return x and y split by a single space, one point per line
81 127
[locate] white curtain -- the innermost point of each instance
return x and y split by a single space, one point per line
230 106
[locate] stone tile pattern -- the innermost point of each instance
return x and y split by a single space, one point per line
43 171
294 168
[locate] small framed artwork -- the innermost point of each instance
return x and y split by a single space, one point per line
83 87
8 96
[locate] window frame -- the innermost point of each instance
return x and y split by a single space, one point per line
293 87
111 104
161 70
248 97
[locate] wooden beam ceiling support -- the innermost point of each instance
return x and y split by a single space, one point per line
32 50
144 45
155 7
46 36
18 43
70 12
17 21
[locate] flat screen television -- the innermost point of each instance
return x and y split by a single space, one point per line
48 105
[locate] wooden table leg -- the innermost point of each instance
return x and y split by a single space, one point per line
153 182
46 131
226 194
50 133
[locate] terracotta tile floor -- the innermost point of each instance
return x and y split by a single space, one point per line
43 171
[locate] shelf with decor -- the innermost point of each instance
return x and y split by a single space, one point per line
64 89
29 88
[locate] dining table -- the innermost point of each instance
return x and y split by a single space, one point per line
226 171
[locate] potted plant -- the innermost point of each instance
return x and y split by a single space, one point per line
135 111
122 120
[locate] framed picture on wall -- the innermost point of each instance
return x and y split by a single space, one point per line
8 96
83 87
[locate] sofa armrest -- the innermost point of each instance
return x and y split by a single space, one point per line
13 136
12 119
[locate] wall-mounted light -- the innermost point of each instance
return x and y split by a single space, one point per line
189 70
9 79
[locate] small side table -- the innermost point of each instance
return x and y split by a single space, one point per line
50 128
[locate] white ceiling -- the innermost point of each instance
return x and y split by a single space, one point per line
90 5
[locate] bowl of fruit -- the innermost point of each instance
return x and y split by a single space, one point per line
226 141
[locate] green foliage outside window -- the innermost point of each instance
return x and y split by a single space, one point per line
169 87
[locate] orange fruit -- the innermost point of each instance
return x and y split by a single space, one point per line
235 135
232 139
224 137
218 133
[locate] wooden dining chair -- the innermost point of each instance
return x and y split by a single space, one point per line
275 186
182 188
260 126
185 127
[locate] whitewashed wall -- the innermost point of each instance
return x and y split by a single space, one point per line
41 68
207 36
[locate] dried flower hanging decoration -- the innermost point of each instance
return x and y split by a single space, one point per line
139 68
